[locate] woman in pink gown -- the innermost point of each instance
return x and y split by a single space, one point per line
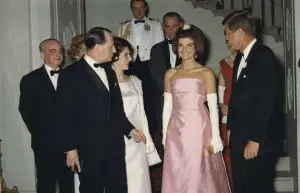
193 161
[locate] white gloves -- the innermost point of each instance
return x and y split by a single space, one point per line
221 91
167 111
216 141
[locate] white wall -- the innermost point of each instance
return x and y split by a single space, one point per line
23 24
109 13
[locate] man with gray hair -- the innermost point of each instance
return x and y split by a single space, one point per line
39 109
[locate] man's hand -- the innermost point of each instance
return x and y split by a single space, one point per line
224 109
138 136
73 160
251 150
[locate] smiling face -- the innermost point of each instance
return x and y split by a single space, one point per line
186 49
124 59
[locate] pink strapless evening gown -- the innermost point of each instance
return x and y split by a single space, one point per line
187 169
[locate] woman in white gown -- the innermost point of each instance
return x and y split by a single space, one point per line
139 156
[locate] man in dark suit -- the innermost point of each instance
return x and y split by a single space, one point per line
254 109
162 58
94 122
39 107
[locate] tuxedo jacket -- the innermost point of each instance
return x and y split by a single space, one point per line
38 106
254 108
151 35
94 121
160 63
158 66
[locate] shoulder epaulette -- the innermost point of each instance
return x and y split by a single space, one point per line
125 21
153 19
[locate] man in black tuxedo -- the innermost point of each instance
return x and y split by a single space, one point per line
162 58
39 107
254 109
93 120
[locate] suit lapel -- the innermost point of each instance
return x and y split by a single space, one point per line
47 80
167 54
236 65
247 61
97 80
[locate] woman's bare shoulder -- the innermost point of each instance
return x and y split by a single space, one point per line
171 72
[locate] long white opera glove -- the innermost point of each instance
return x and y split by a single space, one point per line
167 111
221 91
216 141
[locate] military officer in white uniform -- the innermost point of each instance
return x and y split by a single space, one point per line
142 32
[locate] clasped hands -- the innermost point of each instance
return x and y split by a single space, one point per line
73 158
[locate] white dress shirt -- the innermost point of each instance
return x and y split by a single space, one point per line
99 71
138 30
53 78
243 62
172 56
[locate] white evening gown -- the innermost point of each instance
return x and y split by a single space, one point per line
138 155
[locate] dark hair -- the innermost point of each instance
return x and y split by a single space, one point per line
77 44
196 35
234 14
244 23
120 45
44 42
95 36
173 14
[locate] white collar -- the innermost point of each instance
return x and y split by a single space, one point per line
248 48
49 68
144 18
90 60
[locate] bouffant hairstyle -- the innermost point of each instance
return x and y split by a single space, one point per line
77 47
194 33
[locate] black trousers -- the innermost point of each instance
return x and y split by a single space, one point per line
50 169
254 175
109 175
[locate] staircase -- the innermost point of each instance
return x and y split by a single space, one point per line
268 12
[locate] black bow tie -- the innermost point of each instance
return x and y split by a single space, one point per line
52 72
139 21
97 65
170 41
104 64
